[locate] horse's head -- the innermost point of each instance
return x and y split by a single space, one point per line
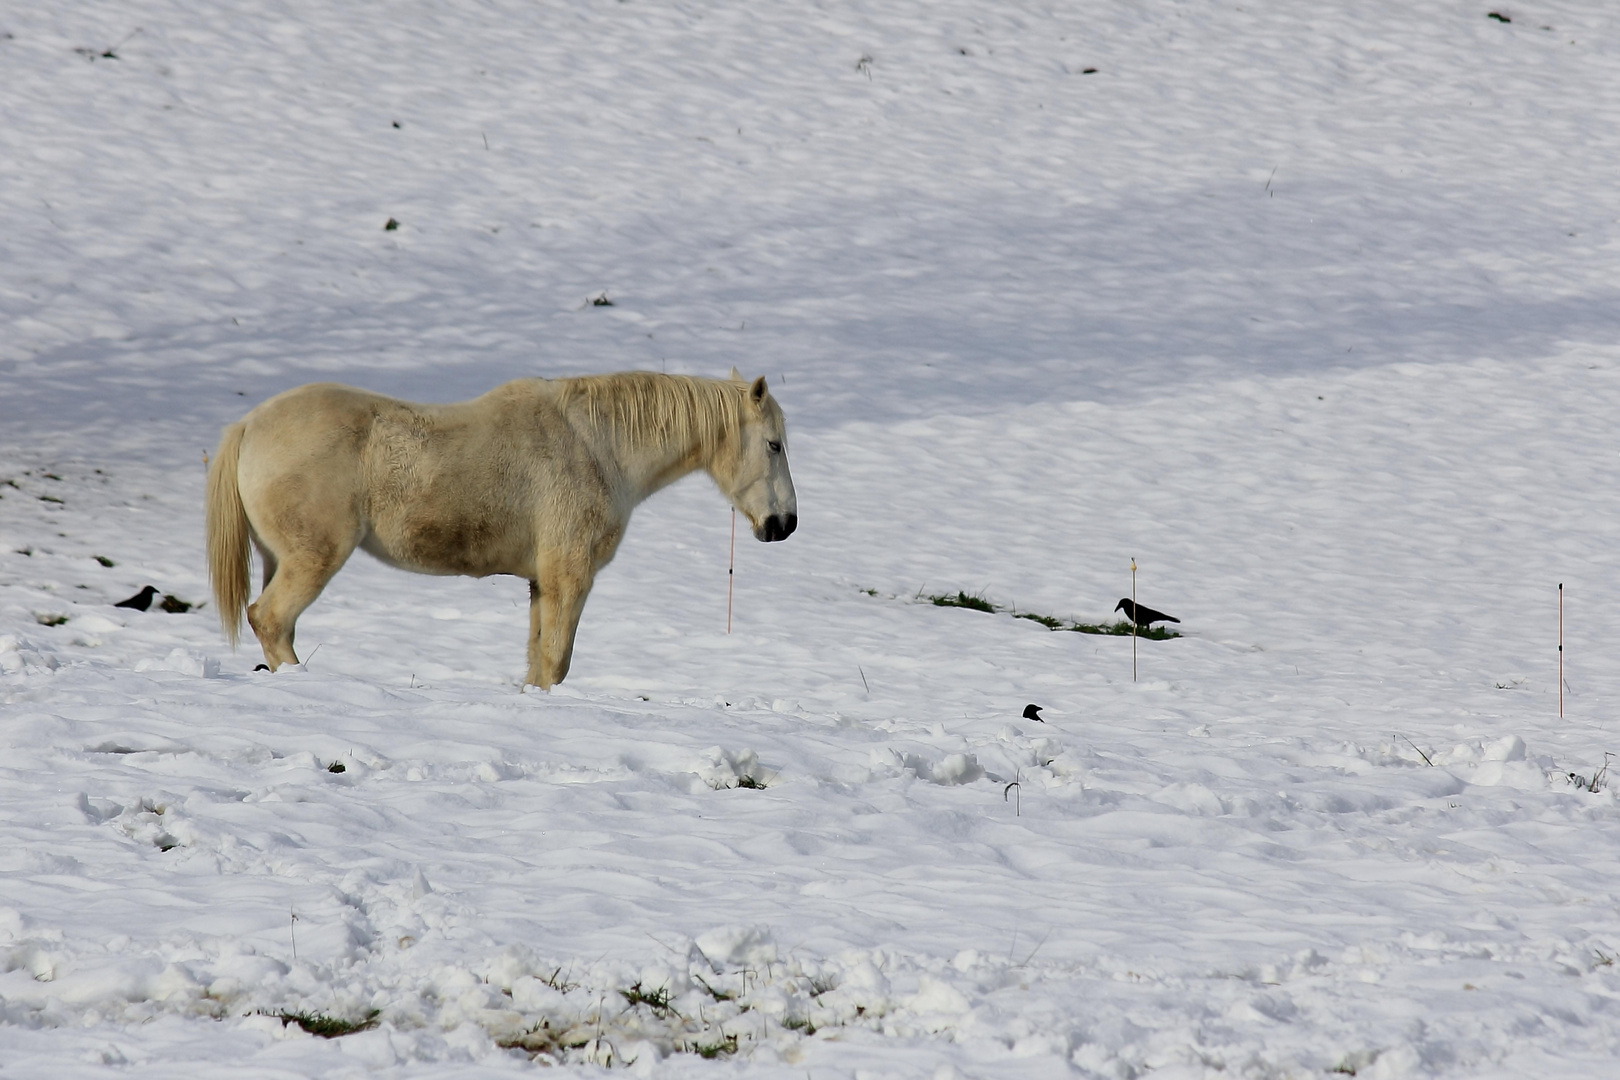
754 476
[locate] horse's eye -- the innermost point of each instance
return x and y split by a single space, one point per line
776 447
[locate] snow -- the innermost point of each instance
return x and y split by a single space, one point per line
1310 311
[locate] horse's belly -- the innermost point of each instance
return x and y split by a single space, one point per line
469 547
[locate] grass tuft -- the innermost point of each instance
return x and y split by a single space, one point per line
1596 781
1122 628
963 600
50 620
656 1000
328 1027
709 1051
560 984
748 781
718 995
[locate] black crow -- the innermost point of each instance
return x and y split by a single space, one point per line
1033 712
1142 615
141 600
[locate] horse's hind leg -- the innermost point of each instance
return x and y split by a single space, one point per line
267 559
294 576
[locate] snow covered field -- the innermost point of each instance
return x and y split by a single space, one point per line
1312 310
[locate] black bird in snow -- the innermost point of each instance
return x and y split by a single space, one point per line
1141 614
1033 712
141 600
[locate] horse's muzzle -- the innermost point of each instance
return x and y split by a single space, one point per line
778 527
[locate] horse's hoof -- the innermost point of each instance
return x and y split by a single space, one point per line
261 667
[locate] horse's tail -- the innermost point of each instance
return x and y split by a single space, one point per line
228 534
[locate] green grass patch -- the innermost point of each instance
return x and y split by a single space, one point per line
656 1000
724 1048
963 600
50 620
1121 629
328 1027
977 602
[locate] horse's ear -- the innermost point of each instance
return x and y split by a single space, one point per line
757 390
736 376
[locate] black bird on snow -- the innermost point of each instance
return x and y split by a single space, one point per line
1142 615
1033 712
141 600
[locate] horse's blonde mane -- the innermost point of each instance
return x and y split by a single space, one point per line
646 408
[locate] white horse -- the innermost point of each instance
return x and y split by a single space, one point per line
535 479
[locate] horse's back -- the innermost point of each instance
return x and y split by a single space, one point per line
315 419
331 422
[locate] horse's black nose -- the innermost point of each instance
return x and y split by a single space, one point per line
780 526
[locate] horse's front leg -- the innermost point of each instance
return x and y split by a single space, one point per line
564 581
533 678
